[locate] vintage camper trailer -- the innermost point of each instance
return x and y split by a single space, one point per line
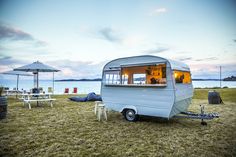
146 85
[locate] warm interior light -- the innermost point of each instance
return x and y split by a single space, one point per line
176 74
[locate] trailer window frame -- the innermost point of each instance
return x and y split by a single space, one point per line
127 77
182 77
112 77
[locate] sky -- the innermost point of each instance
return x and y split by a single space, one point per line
79 37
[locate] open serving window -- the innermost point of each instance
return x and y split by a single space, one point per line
147 75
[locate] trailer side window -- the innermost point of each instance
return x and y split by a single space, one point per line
182 77
125 78
112 77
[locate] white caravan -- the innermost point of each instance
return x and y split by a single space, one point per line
146 85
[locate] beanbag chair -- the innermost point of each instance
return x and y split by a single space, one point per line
78 99
90 97
93 97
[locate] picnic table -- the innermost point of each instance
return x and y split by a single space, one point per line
27 98
12 92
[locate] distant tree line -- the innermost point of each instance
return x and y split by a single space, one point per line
231 78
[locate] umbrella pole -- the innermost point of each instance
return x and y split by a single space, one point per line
37 86
37 80
53 83
17 83
35 76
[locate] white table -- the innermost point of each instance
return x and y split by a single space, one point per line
12 92
36 97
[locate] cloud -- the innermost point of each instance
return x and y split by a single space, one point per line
109 34
183 52
67 72
206 59
9 63
185 59
40 43
158 49
2 48
11 33
212 71
8 33
234 40
158 11
3 58
68 69
8 60
77 69
197 60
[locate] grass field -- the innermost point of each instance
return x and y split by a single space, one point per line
71 129
227 94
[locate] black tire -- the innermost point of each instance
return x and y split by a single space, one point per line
130 115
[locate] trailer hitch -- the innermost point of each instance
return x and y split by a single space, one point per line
202 115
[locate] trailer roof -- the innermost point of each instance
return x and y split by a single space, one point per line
176 65
145 60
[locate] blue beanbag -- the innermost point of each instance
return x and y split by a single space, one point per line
93 97
78 99
90 97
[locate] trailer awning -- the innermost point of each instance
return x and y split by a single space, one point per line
118 68
142 64
145 60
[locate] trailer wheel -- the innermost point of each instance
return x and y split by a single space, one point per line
130 115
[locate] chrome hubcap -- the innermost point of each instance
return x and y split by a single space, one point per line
130 115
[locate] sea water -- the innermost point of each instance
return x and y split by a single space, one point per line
85 87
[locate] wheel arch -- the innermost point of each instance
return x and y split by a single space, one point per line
129 107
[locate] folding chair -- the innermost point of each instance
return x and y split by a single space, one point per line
75 90
50 90
66 91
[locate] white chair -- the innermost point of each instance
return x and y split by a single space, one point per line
101 109
50 90
96 106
